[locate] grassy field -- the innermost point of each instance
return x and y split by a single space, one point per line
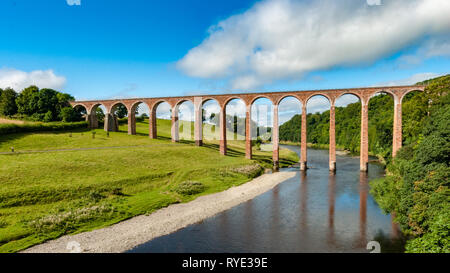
46 195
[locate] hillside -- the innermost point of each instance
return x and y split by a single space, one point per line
348 120
416 188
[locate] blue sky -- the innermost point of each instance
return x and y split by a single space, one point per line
96 49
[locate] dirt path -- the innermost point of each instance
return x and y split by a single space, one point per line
10 121
83 149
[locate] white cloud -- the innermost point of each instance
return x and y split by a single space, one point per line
163 111
19 80
434 47
345 100
285 39
410 80
73 2
317 104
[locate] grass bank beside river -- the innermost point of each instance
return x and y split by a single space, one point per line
141 229
46 195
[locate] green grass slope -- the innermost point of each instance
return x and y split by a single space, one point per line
46 195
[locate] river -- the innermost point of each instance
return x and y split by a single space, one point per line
312 212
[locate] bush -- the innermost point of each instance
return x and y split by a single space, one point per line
70 220
40 127
249 170
189 188
48 117
68 114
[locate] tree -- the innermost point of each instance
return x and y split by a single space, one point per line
99 113
416 188
27 101
8 105
63 102
48 101
121 111
68 114
44 105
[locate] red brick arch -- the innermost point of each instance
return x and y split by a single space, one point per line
364 95
408 91
281 98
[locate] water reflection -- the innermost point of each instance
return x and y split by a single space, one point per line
363 188
331 200
304 203
274 216
248 220
316 211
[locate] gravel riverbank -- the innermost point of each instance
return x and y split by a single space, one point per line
140 229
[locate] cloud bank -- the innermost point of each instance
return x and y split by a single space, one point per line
285 39
18 80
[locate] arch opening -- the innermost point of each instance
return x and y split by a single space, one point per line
318 120
163 116
97 115
235 120
317 129
261 124
138 119
210 120
381 125
117 118
289 116
80 113
415 107
185 120
348 123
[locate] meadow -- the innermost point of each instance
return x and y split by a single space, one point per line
44 195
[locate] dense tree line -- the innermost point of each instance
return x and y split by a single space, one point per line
37 104
348 124
416 188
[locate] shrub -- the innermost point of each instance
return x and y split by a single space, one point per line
68 114
249 170
70 220
48 117
189 188
95 196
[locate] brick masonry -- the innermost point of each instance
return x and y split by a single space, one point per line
364 94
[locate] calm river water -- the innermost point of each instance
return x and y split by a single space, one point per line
312 212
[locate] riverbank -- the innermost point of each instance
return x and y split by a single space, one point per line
87 182
135 231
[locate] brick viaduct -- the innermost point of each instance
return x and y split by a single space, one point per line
364 94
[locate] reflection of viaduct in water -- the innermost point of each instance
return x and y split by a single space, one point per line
363 188
364 94
331 203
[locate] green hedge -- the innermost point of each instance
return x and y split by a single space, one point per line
41 127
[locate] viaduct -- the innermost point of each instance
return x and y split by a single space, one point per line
364 95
